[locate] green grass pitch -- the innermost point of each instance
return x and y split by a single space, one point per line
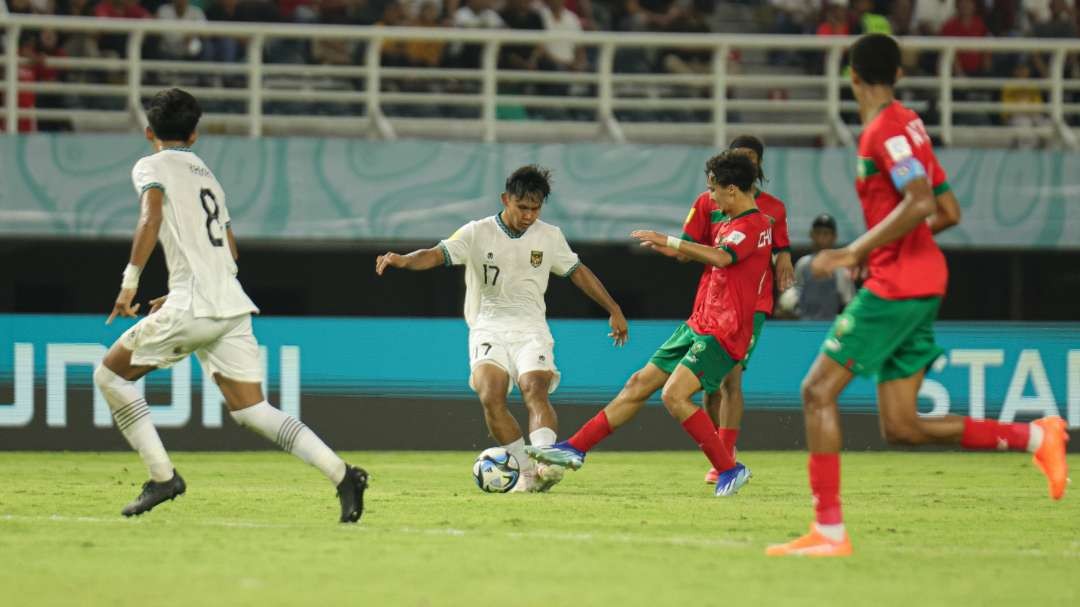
628 529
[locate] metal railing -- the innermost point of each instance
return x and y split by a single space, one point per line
261 95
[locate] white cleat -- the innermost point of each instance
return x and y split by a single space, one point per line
526 483
547 476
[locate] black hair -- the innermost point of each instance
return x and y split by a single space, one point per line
749 142
529 181
824 221
731 168
876 58
173 115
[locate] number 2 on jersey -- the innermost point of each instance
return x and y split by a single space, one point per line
494 274
206 195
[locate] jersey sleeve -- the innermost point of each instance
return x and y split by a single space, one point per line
939 180
696 226
894 153
145 176
456 248
744 238
780 239
564 261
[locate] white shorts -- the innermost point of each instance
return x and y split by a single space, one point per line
516 352
225 346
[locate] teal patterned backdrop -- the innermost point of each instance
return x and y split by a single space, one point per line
301 188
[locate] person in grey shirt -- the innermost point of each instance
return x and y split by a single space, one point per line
821 298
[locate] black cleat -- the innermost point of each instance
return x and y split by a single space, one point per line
153 493
351 493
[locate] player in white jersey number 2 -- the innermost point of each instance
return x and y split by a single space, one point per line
508 258
206 312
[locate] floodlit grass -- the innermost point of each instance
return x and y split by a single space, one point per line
628 529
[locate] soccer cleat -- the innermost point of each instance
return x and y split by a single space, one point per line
730 481
153 493
351 493
547 476
713 474
560 454
1050 457
812 544
526 483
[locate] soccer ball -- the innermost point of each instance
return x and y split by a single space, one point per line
496 470
789 301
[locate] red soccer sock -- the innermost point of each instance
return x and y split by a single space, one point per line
825 484
728 436
595 430
989 434
701 429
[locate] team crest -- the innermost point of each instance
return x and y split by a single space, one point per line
536 258
697 348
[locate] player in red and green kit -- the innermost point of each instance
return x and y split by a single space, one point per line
887 331
725 406
709 345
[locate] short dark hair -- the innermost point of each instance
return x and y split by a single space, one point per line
731 168
824 221
749 142
876 58
529 180
173 114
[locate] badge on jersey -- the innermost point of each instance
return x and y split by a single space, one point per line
898 148
735 237
536 258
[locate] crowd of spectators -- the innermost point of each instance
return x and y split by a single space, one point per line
969 18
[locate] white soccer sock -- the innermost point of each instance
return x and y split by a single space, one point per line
517 449
1035 437
542 437
833 532
132 416
293 436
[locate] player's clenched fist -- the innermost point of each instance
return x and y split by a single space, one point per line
388 260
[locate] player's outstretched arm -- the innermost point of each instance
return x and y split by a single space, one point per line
674 247
918 204
233 249
423 259
584 279
785 271
946 214
146 236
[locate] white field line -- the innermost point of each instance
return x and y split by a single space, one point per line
554 536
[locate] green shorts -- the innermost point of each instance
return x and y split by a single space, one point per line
702 354
759 323
885 339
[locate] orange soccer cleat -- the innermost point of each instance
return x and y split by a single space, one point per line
812 544
1050 458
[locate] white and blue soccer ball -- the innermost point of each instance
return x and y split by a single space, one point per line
496 470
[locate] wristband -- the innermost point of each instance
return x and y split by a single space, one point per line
131 277
674 243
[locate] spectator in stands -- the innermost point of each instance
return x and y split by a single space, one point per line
901 18
821 298
335 51
1018 99
931 15
425 53
1034 12
393 51
48 47
28 72
560 55
475 14
1060 22
967 23
180 46
836 22
692 19
1004 18
519 15
793 16
115 45
867 21
649 15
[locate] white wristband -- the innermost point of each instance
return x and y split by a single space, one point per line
131 277
674 243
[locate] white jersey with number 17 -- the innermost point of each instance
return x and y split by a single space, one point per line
202 272
506 274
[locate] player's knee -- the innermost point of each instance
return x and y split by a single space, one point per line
534 390
902 433
672 398
635 387
493 400
814 395
103 377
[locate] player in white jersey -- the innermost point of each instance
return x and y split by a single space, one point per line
508 258
206 312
